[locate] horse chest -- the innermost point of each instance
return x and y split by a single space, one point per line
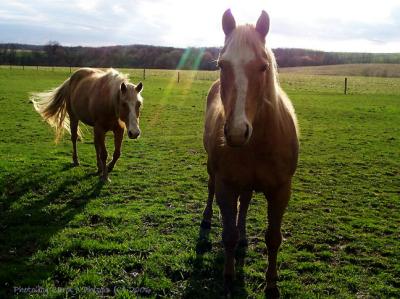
251 169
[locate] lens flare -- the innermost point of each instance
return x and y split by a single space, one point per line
186 78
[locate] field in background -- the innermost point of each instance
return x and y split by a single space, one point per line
62 230
366 70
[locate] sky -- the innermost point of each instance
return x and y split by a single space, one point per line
340 25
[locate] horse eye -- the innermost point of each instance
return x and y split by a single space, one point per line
264 67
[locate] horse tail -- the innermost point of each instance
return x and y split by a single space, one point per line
52 106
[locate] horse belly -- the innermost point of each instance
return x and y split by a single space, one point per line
84 115
80 108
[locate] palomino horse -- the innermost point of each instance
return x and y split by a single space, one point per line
104 100
251 140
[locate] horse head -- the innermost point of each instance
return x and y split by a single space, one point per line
129 103
244 65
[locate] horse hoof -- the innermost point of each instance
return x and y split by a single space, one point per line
272 292
204 234
203 246
75 163
110 167
228 286
105 180
205 225
243 243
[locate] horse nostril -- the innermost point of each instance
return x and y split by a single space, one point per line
136 135
246 134
225 130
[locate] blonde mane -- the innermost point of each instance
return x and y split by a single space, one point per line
113 79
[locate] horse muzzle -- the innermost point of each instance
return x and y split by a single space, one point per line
237 136
134 134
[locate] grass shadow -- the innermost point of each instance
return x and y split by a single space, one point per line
35 206
206 280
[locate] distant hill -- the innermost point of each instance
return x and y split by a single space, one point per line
144 56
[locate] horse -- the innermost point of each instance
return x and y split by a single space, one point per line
251 139
104 100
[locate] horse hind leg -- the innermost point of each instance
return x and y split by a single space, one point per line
277 203
74 137
244 201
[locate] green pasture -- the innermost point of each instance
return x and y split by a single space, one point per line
65 235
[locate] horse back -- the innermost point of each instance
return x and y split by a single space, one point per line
81 74
82 86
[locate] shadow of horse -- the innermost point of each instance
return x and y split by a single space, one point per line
32 211
206 280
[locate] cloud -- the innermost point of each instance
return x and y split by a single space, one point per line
319 24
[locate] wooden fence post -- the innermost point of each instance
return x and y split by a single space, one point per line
144 74
345 85
178 77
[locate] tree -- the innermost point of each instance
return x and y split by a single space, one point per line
12 54
51 50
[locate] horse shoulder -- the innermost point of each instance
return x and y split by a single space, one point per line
289 143
213 118
213 93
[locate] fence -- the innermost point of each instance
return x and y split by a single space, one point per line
137 74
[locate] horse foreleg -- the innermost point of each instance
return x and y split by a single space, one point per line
244 200
74 137
227 202
118 136
101 151
99 170
277 203
208 212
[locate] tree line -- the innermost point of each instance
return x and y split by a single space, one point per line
144 56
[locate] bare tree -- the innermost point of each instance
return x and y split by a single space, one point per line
51 51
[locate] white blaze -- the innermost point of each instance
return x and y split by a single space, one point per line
132 117
239 55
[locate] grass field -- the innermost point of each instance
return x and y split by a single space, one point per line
366 70
64 233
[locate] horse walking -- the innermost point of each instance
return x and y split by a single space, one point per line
251 139
104 100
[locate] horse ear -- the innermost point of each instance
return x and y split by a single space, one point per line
262 26
228 22
123 88
139 87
